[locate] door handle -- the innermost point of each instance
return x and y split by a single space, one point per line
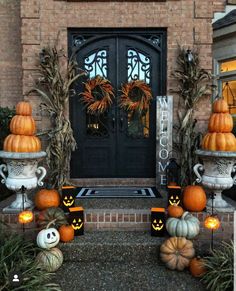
113 124
121 123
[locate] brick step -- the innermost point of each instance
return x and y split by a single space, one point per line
112 246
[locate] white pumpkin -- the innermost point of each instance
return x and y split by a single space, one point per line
187 226
48 238
50 260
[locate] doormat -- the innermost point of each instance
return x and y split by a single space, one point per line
118 192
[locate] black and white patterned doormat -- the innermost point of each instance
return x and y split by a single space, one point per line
117 192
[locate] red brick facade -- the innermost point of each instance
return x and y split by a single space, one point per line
188 23
10 53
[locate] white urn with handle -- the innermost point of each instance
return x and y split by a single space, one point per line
217 173
21 169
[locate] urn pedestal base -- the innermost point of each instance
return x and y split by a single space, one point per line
17 205
217 169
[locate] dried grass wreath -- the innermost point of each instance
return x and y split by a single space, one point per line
97 95
136 96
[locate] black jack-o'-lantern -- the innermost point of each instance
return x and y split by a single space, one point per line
76 219
158 220
68 197
174 195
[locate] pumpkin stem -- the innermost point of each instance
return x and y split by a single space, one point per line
50 223
184 214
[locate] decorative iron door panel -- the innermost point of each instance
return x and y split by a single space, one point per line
117 143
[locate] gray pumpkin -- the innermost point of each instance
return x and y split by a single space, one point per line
187 226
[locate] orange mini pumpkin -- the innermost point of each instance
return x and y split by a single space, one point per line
194 198
197 267
67 233
21 143
23 108
175 210
23 125
220 106
45 198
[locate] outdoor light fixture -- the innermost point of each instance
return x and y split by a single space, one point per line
189 56
25 216
212 222
172 172
158 220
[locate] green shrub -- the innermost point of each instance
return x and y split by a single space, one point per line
17 253
6 115
220 268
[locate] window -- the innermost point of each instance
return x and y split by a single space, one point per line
226 78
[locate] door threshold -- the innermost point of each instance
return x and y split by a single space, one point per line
101 182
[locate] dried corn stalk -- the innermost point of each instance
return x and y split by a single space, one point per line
54 87
193 84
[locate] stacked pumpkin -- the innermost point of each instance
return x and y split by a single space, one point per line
22 126
178 252
48 201
219 137
50 258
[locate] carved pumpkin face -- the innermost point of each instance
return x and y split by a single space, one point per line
158 221
77 223
68 200
76 219
157 224
174 199
68 197
174 195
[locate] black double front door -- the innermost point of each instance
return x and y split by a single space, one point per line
116 143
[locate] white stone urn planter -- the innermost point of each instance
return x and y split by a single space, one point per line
217 170
22 170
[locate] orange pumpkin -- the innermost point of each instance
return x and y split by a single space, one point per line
67 233
23 125
46 198
23 108
220 106
219 142
21 143
220 122
196 267
194 198
175 210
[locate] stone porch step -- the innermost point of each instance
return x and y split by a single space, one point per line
113 246
124 276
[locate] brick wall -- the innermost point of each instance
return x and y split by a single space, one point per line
10 53
28 25
188 23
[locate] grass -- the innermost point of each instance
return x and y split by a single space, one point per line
220 268
18 254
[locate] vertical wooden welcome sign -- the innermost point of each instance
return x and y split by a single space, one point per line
164 126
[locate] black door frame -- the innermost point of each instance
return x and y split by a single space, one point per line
136 34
